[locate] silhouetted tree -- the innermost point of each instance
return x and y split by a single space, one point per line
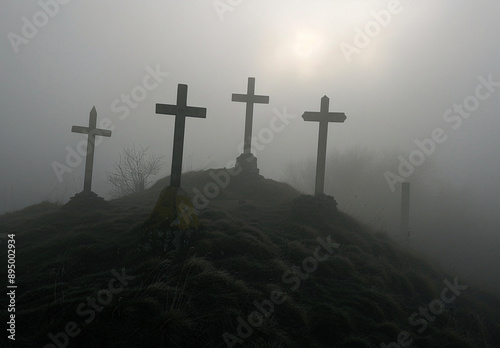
132 172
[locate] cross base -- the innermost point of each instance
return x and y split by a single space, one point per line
171 223
248 163
85 200
173 210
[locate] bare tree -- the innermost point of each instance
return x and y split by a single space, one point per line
132 172
300 174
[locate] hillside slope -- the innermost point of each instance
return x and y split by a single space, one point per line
268 268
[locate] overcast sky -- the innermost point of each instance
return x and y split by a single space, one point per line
394 77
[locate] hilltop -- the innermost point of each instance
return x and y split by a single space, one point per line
268 267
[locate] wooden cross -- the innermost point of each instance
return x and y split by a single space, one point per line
180 111
250 99
92 132
323 117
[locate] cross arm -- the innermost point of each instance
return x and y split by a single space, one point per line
85 130
321 117
78 129
244 98
189 111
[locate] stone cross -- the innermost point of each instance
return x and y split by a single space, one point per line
180 111
250 99
92 132
323 117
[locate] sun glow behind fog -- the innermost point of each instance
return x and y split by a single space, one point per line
308 50
307 44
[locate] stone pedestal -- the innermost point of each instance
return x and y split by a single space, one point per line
248 163
85 200
171 223
173 210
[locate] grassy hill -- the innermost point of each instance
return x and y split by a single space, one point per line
268 268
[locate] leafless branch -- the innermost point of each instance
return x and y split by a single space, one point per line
132 172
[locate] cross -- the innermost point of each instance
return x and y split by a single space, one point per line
180 111
323 117
92 132
250 99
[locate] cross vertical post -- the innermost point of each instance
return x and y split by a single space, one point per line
92 132
323 117
180 111
322 142
180 127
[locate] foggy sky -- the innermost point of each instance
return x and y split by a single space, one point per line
394 91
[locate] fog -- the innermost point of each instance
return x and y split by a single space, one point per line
399 70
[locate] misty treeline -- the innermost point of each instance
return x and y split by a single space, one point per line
443 222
